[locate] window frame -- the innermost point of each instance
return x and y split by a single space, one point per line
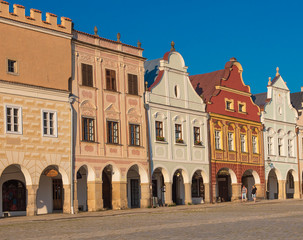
134 141
88 82
243 141
133 84
178 132
197 136
111 137
15 67
290 148
270 145
218 145
280 146
231 141
111 85
55 123
243 106
20 120
255 147
88 128
159 130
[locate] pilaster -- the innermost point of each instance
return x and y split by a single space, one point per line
31 209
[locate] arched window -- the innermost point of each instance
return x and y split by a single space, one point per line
13 196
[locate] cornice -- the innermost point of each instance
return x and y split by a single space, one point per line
233 91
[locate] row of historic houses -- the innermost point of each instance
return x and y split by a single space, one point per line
86 123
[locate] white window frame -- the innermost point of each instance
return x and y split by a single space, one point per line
243 143
55 133
231 141
255 144
290 148
218 140
20 121
270 145
16 66
280 146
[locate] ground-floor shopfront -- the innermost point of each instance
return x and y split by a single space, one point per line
182 184
228 179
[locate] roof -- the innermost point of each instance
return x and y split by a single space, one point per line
151 71
259 99
296 100
205 84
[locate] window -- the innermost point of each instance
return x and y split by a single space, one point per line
49 123
290 180
134 134
290 148
178 133
13 119
14 196
197 136
88 129
197 186
243 142
159 131
228 105
112 132
242 107
254 144
269 146
280 147
132 84
218 139
231 141
87 75
11 66
111 80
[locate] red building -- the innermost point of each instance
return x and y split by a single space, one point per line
235 132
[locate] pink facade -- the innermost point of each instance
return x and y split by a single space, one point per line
111 159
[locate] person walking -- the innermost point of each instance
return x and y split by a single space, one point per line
244 194
254 192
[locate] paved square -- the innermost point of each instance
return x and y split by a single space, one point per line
263 220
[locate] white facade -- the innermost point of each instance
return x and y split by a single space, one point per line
175 111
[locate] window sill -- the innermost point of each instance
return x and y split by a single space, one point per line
161 142
50 136
84 141
232 151
229 110
14 133
245 113
13 73
133 94
181 144
198 146
219 150
111 91
114 144
136 146
89 87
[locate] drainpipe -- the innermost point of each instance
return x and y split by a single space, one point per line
148 147
71 100
209 159
263 137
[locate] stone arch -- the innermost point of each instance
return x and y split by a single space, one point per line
184 173
203 174
116 173
24 170
164 172
232 174
91 175
277 172
142 172
293 173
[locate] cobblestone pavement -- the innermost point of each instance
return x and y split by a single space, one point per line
263 220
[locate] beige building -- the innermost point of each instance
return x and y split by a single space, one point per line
111 158
35 126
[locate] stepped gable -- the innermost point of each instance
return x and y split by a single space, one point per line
35 18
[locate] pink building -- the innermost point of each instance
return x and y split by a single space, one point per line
111 157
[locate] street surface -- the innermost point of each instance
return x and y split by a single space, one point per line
263 220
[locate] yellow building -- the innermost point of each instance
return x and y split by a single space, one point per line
35 126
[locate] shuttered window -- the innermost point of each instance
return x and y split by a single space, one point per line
87 75
111 80
132 84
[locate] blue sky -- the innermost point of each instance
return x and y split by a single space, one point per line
260 34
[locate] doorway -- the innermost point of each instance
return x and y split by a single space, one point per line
57 194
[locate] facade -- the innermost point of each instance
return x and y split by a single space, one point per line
111 158
35 118
279 118
297 102
178 133
235 132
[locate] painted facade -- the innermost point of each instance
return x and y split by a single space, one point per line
279 118
35 132
111 159
177 133
235 132
297 102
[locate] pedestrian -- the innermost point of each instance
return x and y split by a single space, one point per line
244 193
254 192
